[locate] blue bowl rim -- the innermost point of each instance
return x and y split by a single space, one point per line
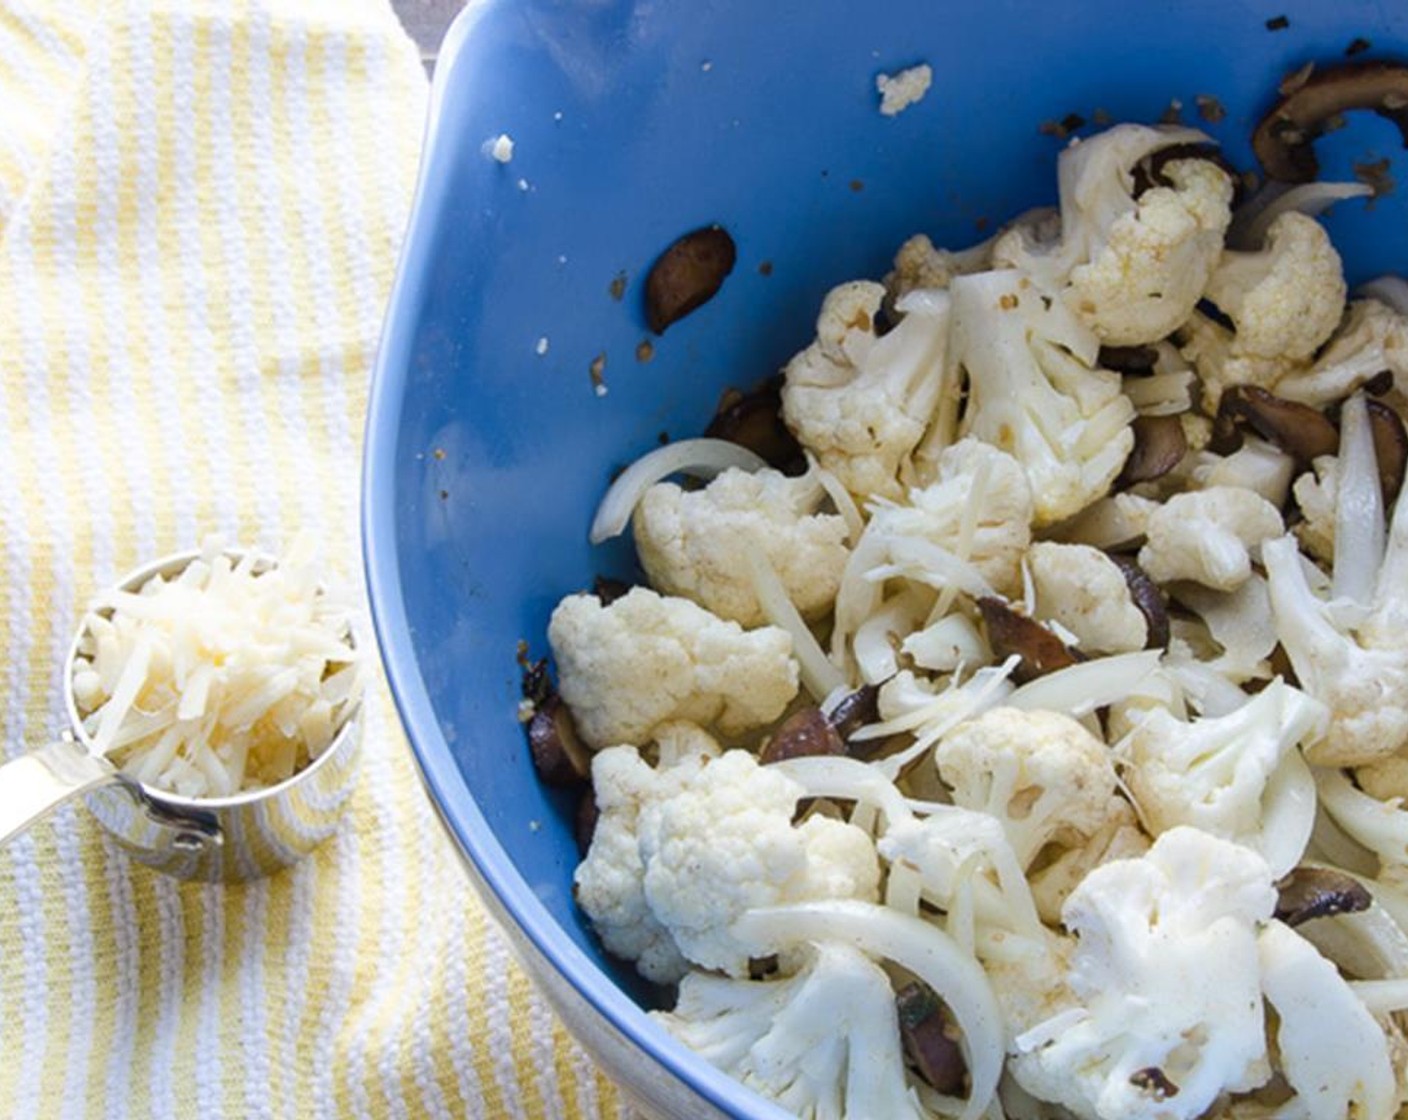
442 779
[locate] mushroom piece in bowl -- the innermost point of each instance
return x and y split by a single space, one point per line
518 372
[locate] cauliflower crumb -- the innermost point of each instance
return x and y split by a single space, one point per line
500 148
899 91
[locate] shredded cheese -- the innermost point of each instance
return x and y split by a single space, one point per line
230 676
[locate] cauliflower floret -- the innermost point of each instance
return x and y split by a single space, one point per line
694 543
861 402
1085 591
725 843
1364 683
822 1043
979 508
1207 536
1330 1049
1221 363
1148 277
609 883
1372 338
1258 466
1317 495
1047 779
1213 773
1287 299
1132 268
1120 837
626 668
1035 391
918 265
1165 972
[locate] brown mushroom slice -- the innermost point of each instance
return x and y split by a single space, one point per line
1150 171
1319 892
1159 445
687 275
1284 140
754 420
608 589
804 733
931 1038
1303 432
1134 361
1148 597
1009 633
855 710
1390 447
559 755
584 825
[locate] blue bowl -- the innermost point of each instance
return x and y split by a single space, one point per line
488 448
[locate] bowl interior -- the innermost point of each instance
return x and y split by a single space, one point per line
489 446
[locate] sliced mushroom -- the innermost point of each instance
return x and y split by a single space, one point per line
608 590
931 1038
1159 445
687 275
1303 432
856 710
754 420
1319 892
1155 1082
1284 139
536 684
559 755
1150 171
585 824
805 732
1390 447
1040 650
1148 597
1130 360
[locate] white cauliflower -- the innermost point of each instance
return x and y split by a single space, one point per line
1372 338
1287 299
919 265
1035 391
1043 776
1120 837
694 543
1132 268
609 883
1361 677
979 508
1221 363
861 402
1207 536
824 1043
1258 466
1083 590
626 668
1316 493
1331 1051
1164 972
725 843
1213 773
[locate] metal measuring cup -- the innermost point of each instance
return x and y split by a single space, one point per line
227 839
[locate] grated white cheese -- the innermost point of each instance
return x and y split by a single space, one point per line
226 677
899 91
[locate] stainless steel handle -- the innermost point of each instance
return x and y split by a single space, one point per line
37 783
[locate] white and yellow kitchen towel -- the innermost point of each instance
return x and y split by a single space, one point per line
200 205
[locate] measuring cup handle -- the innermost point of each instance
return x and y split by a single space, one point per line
36 783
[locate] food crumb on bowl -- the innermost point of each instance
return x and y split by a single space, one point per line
541 347
499 148
598 374
899 91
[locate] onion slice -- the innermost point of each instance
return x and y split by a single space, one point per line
1389 290
1359 508
703 457
914 944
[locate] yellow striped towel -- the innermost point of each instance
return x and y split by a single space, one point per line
200 203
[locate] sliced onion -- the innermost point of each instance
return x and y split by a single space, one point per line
1389 290
1249 227
874 644
1359 508
911 943
1287 814
1382 997
840 498
702 457
1381 826
946 644
845 779
819 676
924 561
1082 688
